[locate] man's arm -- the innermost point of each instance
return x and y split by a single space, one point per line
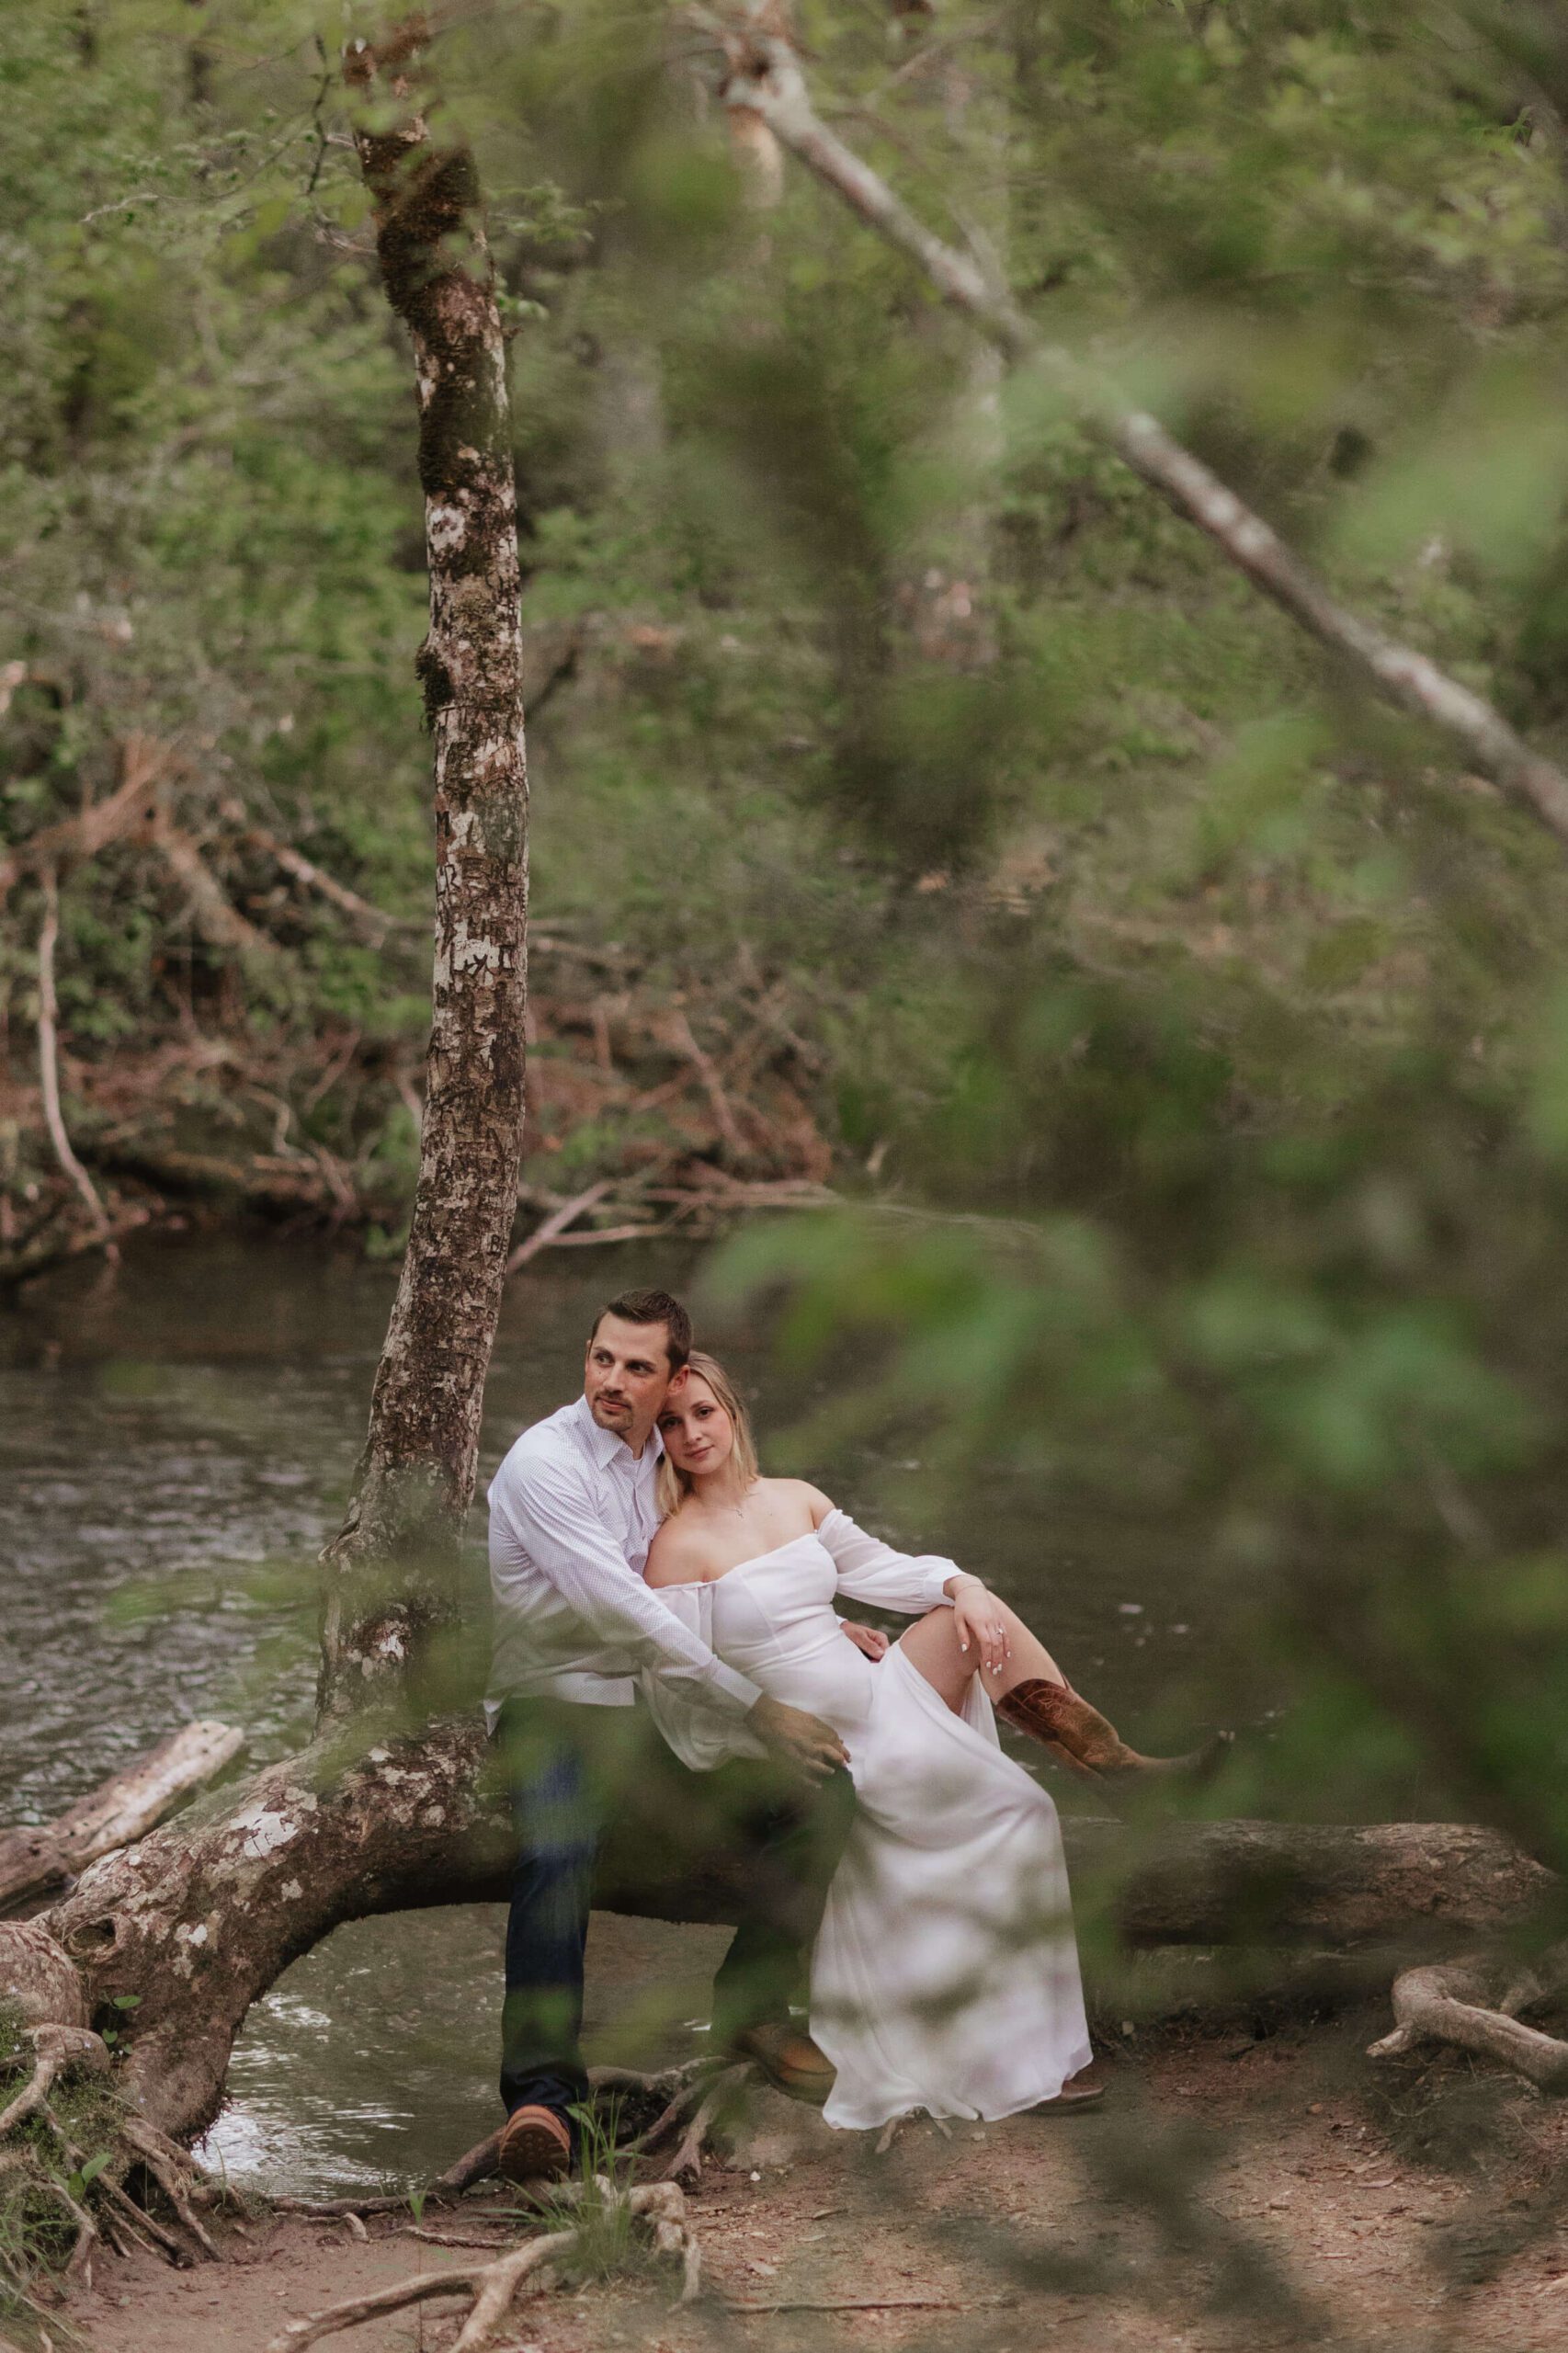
551 1509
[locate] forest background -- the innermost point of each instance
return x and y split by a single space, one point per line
924 813
920 806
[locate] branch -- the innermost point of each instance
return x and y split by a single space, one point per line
128 807
219 921
492 2287
48 1063
707 1071
123 1809
767 82
314 878
556 1223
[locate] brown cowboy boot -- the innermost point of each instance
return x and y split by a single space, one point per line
1082 1739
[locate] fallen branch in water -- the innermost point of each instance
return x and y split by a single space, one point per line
556 1223
122 1810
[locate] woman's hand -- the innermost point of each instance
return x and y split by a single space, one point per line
979 1622
869 1639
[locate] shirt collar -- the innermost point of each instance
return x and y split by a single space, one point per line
604 1445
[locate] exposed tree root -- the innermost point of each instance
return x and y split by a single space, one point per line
47 2156
695 2097
55 2048
177 2175
1474 2003
718 2096
491 2288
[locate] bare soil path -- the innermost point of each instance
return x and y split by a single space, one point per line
1236 2191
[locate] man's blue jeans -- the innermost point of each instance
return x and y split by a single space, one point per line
575 1773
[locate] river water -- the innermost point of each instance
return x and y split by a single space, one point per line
176 1441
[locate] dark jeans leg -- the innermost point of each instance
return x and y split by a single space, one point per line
559 1821
789 1846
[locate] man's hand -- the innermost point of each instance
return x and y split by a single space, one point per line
869 1639
801 1738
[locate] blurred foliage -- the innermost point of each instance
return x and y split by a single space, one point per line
1198 1028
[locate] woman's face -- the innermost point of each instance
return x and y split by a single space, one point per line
697 1433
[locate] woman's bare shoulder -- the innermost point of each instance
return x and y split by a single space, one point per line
674 1553
800 1493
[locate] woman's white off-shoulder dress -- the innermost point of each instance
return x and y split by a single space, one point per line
945 1975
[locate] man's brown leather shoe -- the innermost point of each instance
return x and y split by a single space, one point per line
790 2060
535 2146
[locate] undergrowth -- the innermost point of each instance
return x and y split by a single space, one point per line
37 2233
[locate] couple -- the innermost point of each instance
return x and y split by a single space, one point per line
876 1824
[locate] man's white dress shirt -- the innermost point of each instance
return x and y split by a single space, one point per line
571 1516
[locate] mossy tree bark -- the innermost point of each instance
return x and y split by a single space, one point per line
389 1575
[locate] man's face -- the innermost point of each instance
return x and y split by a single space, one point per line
625 1375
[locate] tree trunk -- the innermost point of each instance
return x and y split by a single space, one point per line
1415 1885
389 1575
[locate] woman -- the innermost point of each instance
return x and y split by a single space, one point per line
945 1975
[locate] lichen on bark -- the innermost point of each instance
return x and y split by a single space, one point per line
389 1575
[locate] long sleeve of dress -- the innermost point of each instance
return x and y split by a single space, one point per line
699 1737
872 1572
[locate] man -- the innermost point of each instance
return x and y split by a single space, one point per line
571 1516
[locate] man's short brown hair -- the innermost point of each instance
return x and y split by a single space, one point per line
652 1307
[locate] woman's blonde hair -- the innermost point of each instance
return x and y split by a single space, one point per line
672 1486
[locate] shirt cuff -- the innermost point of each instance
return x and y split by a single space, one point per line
938 1597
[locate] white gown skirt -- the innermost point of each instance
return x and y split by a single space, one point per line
944 1977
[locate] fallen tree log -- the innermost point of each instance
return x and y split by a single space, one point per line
185 1929
123 1809
1344 1886
200 1917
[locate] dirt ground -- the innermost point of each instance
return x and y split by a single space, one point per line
1239 2189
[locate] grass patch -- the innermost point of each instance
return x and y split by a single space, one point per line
609 2245
36 2230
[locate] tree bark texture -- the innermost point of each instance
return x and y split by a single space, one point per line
389 1576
